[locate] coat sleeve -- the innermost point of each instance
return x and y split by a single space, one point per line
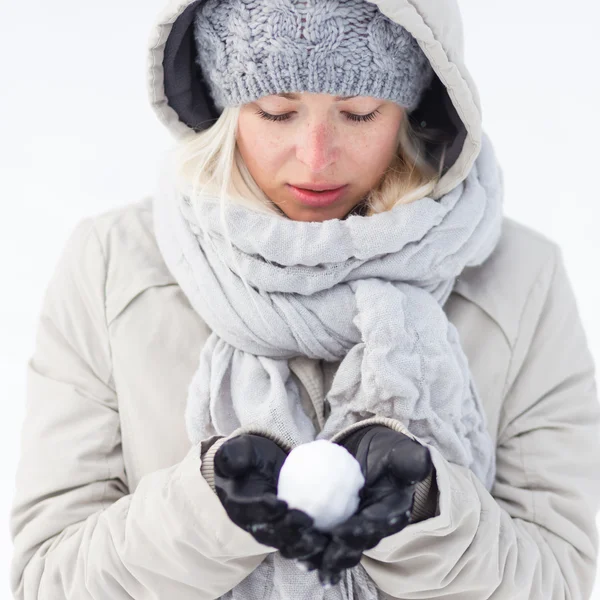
534 537
77 531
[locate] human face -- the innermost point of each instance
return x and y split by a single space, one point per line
318 139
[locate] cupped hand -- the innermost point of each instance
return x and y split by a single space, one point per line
246 471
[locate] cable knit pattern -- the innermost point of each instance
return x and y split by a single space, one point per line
248 49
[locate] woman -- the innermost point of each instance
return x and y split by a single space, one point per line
188 342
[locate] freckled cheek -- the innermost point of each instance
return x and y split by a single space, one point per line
372 159
263 164
271 155
371 151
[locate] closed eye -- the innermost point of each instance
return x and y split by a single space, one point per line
350 116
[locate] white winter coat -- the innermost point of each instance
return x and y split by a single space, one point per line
110 502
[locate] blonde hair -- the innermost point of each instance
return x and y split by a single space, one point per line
209 162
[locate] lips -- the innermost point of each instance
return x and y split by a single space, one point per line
322 187
317 199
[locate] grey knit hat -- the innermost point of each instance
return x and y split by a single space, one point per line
253 48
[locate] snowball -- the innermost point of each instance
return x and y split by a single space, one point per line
322 479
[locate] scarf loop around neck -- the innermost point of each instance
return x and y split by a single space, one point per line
368 291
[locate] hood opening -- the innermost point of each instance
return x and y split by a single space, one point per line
186 93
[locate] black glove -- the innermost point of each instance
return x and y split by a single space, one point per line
246 474
392 464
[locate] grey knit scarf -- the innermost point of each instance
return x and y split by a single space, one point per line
368 291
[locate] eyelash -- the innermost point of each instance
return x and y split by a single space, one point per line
349 116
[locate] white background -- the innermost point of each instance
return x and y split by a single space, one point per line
77 137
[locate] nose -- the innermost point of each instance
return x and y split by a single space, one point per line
317 146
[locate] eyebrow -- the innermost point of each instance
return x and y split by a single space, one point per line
296 97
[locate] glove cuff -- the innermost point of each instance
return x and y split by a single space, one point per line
209 447
425 504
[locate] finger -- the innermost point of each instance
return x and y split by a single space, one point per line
306 547
329 578
315 560
298 519
264 533
410 464
351 532
309 564
291 533
366 529
265 526
298 537
266 509
338 556
235 457
263 509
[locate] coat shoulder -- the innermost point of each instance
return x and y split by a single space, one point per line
134 261
502 284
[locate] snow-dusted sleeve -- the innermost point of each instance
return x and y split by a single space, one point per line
534 536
